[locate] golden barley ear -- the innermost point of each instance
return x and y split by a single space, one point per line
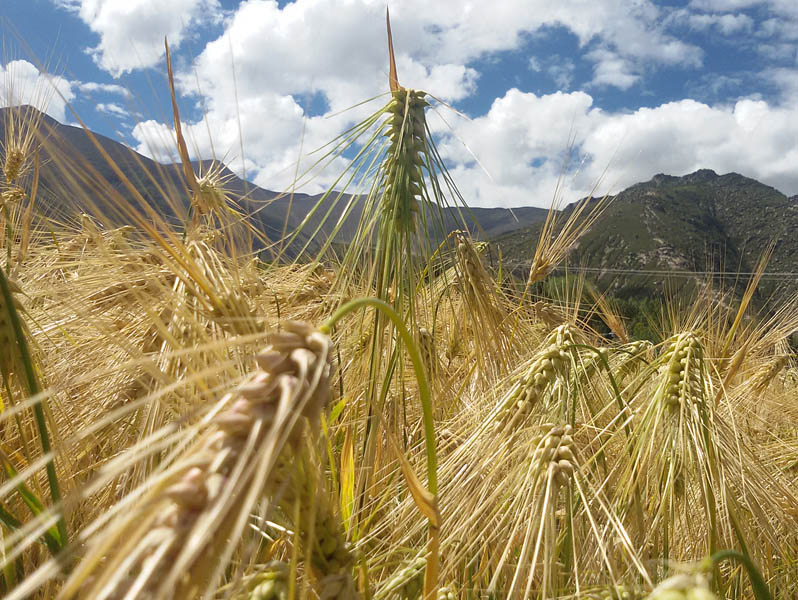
393 79
188 170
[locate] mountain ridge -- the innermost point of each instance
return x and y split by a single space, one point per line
155 181
698 222
701 221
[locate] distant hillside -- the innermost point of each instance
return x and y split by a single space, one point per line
69 154
699 222
702 221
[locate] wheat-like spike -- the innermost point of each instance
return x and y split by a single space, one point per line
594 364
549 364
271 584
212 197
329 554
555 453
13 165
12 196
406 582
683 587
768 372
403 176
229 308
22 124
485 306
550 315
682 374
177 540
632 356
426 345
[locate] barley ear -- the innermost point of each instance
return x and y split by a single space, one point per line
179 538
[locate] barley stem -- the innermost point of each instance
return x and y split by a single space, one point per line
38 409
758 584
418 366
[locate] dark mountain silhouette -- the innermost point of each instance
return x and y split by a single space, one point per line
75 174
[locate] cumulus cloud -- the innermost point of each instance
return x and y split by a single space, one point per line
333 50
727 24
297 65
521 144
111 108
524 139
93 87
131 32
22 83
272 134
612 69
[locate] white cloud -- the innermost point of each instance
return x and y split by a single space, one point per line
335 50
271 135
727 24
132 31
22 83
523 141
786 80
725 5
93 87
561 70
111 108
612 69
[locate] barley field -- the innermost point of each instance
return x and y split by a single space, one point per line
193 410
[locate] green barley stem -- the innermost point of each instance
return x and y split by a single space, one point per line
758 584
34 390
418 367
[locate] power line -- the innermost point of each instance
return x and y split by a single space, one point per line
786 275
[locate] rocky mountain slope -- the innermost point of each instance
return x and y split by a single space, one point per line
699 222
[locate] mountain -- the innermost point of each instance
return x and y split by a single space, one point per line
699 222
68 154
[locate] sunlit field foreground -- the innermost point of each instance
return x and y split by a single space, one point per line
192 410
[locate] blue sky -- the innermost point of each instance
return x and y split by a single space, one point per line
624 88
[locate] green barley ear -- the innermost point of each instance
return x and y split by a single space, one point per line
407 582
683 587
321 536
271 584
682 373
